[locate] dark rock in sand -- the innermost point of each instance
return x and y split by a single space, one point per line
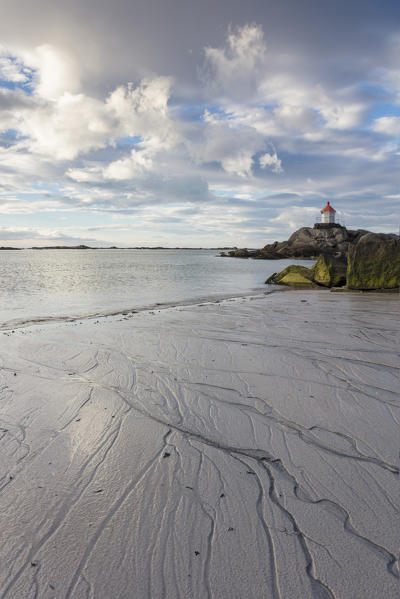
374 262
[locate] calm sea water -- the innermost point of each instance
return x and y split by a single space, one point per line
57 283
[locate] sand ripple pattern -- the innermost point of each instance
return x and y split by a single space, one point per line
232 450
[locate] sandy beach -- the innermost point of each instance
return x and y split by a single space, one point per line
243 449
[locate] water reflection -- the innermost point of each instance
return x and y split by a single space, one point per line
72 282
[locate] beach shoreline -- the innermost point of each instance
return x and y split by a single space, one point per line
68 318
237 448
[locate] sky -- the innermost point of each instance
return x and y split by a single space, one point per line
196 124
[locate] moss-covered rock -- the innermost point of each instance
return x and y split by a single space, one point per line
294 275
330 271
374 262
296 279
271 279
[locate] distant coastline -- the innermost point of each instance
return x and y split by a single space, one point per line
87 247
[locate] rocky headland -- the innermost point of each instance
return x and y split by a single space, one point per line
372 262
355 259
304 243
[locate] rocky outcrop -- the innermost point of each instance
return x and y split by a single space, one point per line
330 271
374 262
306 243
242 253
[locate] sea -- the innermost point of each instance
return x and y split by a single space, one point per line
40 285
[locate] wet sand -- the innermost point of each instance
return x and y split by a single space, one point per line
234 450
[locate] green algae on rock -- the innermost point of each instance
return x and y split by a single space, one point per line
374 262
294 275
330 271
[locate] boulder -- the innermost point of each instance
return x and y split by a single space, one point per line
295 276
374 262
330 271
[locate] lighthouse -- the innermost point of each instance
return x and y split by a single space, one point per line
328 215
327 218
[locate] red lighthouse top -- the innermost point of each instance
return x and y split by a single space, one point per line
328 208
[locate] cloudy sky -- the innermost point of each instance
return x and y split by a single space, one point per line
175 122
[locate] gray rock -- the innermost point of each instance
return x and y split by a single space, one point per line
306 243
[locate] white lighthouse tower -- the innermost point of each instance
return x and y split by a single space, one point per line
327 219
328 215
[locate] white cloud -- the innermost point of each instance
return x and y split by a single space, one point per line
12 69
295 117
29 236
341 115
92 174
297 216
228 143
64 128
143 110
145 143
232 70
275 102
18 164
134 165
70 124
271 160
389 125
57 72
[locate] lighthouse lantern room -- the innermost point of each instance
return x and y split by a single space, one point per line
328 215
